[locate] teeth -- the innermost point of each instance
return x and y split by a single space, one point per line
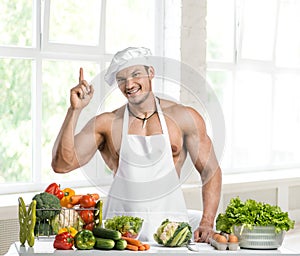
132 91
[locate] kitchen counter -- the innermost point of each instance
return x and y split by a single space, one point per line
45 247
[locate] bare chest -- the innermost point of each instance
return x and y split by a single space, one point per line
138 127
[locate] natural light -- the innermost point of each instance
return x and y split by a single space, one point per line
252 64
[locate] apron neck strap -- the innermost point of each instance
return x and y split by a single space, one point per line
160 116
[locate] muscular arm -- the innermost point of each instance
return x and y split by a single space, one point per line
203 156
70 151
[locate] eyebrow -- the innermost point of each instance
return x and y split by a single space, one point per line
134 71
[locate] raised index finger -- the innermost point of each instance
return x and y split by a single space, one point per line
80 74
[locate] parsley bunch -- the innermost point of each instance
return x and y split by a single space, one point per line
251 213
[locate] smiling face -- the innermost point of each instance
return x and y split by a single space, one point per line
135 83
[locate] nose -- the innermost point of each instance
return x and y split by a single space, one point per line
129 82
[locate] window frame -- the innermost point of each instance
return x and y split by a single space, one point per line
42 49
239 64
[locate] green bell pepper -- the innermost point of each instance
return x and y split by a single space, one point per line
84 240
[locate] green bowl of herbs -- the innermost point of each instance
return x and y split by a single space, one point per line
129 226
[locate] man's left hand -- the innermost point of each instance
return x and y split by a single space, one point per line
203 233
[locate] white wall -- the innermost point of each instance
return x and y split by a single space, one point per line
273 187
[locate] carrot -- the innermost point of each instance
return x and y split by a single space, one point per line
132 247
95 196
132 241
75 199
147 246
141 248
69 205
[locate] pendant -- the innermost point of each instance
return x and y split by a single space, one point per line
144 122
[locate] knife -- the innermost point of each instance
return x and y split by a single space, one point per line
192 246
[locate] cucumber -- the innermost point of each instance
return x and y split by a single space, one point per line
104 243
120 244
107 233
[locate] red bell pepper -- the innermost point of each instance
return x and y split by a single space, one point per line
63 241
54 189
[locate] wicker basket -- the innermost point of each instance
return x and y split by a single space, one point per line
260 237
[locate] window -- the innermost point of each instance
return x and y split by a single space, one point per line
42 45
253 64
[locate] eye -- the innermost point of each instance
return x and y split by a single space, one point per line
120 80
136 74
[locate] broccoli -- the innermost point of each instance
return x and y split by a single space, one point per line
47 206
43 228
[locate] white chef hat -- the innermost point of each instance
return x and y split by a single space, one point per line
128 57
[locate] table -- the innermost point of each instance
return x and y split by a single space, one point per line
45 247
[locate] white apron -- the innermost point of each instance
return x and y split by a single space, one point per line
146 183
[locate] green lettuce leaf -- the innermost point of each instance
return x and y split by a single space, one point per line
252 213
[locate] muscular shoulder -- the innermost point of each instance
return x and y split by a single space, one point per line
104 122
186 117
107 128
171 108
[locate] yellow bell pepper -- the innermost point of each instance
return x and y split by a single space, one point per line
66 200
69 229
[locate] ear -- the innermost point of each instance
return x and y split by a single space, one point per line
151 72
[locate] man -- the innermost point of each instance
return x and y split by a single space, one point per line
145 144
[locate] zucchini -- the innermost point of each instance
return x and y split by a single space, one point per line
107 233
120 244
104 243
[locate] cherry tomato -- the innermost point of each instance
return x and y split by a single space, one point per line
87 201
130 235
87 216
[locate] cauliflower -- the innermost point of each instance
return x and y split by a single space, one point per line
168 231
66 218
172 234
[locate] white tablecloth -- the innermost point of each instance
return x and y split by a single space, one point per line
45 247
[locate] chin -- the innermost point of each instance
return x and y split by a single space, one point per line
138 98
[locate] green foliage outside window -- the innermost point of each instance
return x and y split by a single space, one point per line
15 121
16 29
16 26
35 80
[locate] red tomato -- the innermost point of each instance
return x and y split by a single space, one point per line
87 216
89 226
130 235
87 201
